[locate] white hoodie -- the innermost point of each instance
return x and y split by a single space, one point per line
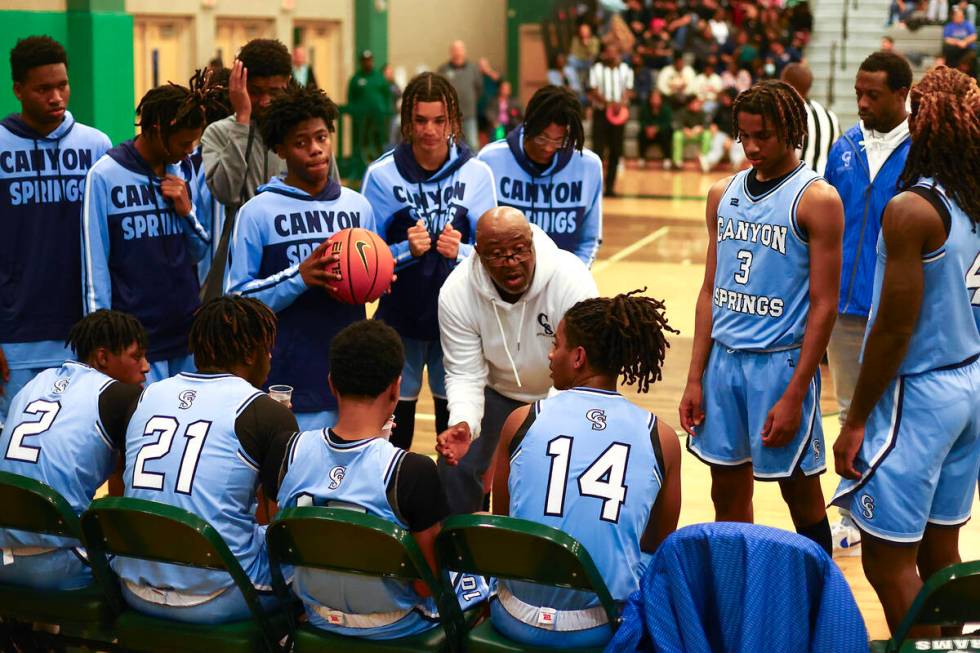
487 341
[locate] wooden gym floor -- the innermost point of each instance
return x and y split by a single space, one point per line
654 236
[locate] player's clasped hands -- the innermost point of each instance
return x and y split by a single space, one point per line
448 243
419 240
453 443
320 267
174 190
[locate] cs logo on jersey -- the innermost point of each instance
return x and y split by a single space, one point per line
598 419
543 321
186 399
867 506
815 445
336 476
845 158
61 385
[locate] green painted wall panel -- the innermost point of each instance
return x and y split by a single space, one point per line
19 24
370 32
520 12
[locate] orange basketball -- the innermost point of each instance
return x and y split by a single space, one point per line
366 265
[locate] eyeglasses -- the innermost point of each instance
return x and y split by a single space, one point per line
519 254
544 141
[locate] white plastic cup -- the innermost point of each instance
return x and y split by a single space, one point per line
281 393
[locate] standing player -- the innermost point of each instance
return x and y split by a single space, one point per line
538 172
279 249
44 156
203 442
353 465
66 428
140 234
910 449
764 316
427 195
627 496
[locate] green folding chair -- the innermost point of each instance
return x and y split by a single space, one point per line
83 615
517 549
348 541
950 597
147 530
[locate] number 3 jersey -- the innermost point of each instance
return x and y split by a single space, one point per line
762 278
587 462
202 442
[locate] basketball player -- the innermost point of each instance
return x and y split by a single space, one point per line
538 171
140 235
203 442
353 465
567 462
427 194
45 156
764 315
279 248
66 428
909 451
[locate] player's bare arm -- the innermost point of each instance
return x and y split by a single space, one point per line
821 216
501 465
910 227
667 509
691 409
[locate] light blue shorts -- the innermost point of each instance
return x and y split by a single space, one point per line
168 367
920 457
61 569
740 388
420 354
228 606
513 628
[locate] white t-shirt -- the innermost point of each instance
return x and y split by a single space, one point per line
878 145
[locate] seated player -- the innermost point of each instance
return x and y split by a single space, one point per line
590 463
279 250
66 428
203 442
353 465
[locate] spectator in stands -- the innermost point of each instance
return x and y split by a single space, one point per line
720 28
564 74
959 41
702 42
723 141
800 20
734 77
747 49
369 101
707 83
900 11
504 113
887 44
676 82
611 90
690 126
638 18
467 79
656 127
780 56
302 70
584 49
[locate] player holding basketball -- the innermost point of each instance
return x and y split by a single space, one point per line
764 316
279 253
427 195
65 429
909 450
567 462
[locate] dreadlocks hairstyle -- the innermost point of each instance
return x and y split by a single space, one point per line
945 130
624 335
780 106
113 330
292 107
229 329
171 107
32 52
266 58
430 87
555 105
221 106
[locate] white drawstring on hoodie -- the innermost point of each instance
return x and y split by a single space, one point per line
503 336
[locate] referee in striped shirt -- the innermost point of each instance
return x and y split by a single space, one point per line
822 125
610 87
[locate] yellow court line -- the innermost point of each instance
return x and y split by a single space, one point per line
626 251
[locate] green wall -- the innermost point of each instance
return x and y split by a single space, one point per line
370 32
100 61
520 12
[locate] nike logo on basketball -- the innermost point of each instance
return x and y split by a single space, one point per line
360 246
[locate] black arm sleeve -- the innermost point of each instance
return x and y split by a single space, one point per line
264 429
116 405
418 493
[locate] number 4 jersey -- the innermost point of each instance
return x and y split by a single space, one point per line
587 462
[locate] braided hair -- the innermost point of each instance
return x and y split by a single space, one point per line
430 87
781 107
172 107
113 330
555 105
623 335
945 130
292 107
229 329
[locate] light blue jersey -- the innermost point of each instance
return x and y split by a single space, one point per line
762 279
946 332
182 450
589 464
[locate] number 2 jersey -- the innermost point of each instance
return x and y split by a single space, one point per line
762 278
587 462
202 442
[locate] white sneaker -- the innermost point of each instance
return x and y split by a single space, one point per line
703 160
668 164
846 537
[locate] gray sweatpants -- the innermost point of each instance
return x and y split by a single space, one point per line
464 482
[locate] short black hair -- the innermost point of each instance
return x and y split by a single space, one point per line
555 105
365 358
293 106
896 68
32 52
229 329
266 58
114 330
